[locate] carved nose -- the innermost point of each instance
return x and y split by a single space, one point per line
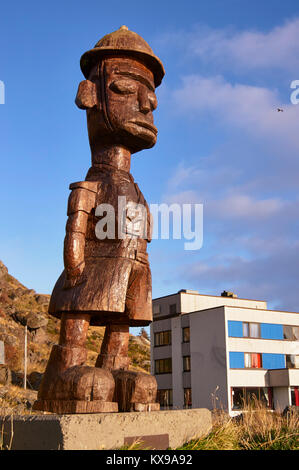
144 104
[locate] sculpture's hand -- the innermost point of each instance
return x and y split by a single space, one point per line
73 276
74 262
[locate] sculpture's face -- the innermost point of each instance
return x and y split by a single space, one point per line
126 93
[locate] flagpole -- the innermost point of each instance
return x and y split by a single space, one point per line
25 358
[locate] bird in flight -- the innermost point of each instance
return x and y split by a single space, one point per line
280 110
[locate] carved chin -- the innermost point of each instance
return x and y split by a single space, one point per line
142 133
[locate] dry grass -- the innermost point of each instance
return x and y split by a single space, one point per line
262 429
10 406
6 444
16 400
257 429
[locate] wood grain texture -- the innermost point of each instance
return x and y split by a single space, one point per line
106 280
75 406
135 388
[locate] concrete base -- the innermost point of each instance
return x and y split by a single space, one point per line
105 430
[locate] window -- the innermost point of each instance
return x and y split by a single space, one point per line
246 330
253 360
240 360
186 363
251 330
291 332
172 309
163 366
187 398
164 397
186 335
239 329
295 396
254 330
248 396
237 398
156 308
163 338
292 361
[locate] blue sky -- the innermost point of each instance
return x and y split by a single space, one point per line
221 142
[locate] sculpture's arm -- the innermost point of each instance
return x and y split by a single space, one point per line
80 204
149 224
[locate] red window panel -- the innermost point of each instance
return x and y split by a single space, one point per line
256 360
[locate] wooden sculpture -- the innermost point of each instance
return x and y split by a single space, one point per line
106 281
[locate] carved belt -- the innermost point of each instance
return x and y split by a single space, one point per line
128 254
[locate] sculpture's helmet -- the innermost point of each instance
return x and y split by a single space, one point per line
124 42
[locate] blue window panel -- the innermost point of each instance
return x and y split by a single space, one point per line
273 361
271 331
236 360
235 328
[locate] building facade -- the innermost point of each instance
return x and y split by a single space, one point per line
210 351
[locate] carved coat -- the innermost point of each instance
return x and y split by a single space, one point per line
115 286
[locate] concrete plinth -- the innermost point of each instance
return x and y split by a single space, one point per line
105 430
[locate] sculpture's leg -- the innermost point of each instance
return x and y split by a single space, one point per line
68 386
114 350
134 391
69 352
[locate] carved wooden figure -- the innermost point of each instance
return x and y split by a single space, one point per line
106 281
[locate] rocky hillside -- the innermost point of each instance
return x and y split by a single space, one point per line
20 306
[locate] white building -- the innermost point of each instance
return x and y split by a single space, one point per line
209 351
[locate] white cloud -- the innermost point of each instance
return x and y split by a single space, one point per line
246 49
250 108
240 206
244 206
227 199
277 48
272 277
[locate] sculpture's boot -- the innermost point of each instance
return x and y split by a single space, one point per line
134 391
68 386
61 359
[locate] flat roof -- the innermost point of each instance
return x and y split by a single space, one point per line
241 308
206 295
259 310
156 317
